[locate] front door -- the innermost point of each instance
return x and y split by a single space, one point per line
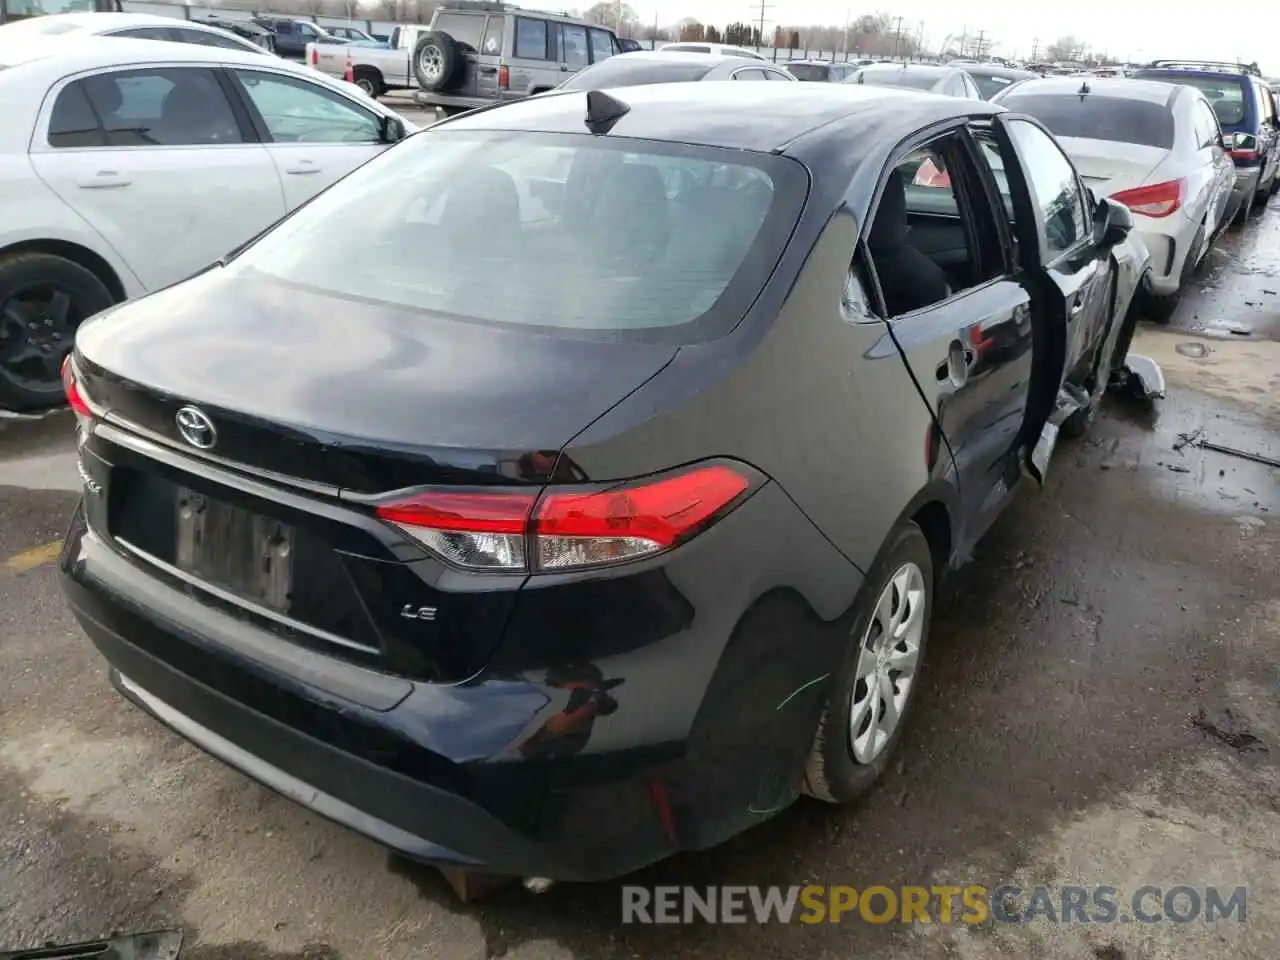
958 312
314 135
156 161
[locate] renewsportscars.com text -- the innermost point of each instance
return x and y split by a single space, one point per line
974 904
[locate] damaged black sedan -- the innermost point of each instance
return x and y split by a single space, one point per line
526 539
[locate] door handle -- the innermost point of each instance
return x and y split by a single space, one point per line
302 169
956 367
103 180
564 68
1077 310
488 70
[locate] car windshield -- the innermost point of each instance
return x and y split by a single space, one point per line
1094 117
989 85
606 238
895 78
813 72
621 72
1225 94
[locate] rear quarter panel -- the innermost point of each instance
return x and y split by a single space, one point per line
814 395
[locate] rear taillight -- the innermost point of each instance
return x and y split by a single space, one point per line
315 56
1245 156
349 74
504 77
71 387
514 530
1156 200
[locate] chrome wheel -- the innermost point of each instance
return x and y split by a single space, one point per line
888 659
431 62
365 84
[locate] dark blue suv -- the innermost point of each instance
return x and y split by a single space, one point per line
1246 110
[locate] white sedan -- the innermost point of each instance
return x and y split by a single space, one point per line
1157 148
128 165
126 26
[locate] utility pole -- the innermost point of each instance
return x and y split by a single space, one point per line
919 52
964 40
845 45
1035 49
897 38
764 5
978 44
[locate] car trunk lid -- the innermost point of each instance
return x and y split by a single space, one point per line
357 396
1108 166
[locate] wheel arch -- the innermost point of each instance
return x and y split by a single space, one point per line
77 254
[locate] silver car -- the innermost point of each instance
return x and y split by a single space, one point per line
1157 148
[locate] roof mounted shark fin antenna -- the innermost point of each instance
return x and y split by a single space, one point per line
603 111
1084 89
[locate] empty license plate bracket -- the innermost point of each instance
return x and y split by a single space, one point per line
228 547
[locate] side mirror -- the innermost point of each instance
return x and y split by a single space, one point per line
1112 222
1245 141
390 130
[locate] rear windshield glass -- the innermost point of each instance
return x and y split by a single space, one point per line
619 72
1225 94
604 238
38 26
813 72
1099 118
895 78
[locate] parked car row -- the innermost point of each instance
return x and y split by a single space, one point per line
127 165
526 538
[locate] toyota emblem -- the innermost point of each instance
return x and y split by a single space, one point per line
196 427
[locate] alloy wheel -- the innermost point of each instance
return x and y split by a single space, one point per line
888 660
431 60
37 330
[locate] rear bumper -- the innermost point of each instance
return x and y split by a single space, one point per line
585 751
428 99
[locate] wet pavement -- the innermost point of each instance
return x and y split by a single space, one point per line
1100 708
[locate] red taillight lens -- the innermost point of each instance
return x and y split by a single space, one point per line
1248 156
1156 200
492 530
71 387
315 56
584 529
504 77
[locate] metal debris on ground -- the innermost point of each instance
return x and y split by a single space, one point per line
1196 439
1197 351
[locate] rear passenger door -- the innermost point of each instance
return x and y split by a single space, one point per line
159 163
535 60
958 312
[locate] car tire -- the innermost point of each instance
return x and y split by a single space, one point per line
370 81
437 61
43 300
840 768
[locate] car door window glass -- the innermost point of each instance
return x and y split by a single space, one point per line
1210 119
927 240
296 111
145 33
73 123
308 31
575 46
492 43
166 107
1054 187
989 153
601 45
205 39
531 38
752 74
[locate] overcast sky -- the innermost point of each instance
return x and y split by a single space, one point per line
1142 29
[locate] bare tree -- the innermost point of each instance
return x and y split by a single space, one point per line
690 29
1065 48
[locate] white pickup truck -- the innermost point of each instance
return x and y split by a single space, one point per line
374 67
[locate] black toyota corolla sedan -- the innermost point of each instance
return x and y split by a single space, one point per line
524 540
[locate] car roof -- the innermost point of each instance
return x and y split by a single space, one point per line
674 56
1170 71
1152 91
764 117
927 69
995 70
90 51
105 20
